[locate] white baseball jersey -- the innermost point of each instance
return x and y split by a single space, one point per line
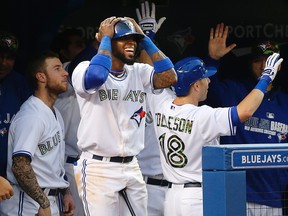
68 106
182 131
39 133
149 157
114 113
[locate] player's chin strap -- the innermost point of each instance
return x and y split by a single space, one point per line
125 197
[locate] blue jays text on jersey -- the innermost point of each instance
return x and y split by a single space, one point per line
113 94
49 145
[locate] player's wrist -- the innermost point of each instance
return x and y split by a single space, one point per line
162 65
148 45
150 34
45 203
105 43
65 191
262 84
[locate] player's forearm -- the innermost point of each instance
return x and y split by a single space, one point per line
253 100
26 178
165 75
249 104
165 79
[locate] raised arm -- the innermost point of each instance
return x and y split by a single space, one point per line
252 101
147 21
100 64
164 75
217 47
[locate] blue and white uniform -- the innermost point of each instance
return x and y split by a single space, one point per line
269 124
112 125
182 131
38 133
150 164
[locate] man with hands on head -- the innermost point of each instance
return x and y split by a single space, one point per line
111 92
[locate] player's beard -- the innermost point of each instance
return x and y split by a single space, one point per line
56 88
121 57
128 61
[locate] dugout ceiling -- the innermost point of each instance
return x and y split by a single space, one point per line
185 31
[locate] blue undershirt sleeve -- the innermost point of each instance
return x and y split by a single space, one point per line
99 67
234 116
98 71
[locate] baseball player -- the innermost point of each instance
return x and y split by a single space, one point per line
265 187
36 146
111 92
149 157
183 127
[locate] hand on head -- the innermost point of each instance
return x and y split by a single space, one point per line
137 27
107 28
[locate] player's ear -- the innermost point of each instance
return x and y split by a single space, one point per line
41 77
195 85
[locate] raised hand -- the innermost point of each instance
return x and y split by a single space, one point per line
148 21
217 43
271 68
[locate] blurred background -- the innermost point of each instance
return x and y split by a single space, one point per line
185 31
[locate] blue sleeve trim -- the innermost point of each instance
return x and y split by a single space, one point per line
23 153
162 65
234 116
98 71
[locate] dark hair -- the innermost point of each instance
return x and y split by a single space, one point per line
37 64
61 40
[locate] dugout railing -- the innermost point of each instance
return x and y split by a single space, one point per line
224 174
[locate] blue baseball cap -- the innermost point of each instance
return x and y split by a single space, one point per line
124 28
189 70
